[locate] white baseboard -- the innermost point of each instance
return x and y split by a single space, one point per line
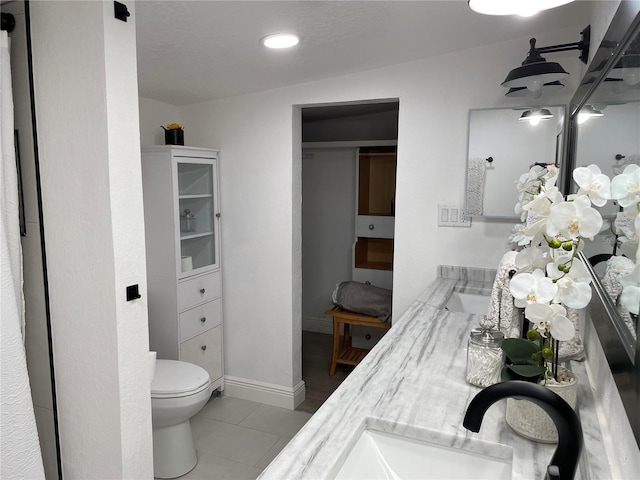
318 324
268 393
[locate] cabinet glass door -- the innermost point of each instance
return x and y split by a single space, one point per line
197 212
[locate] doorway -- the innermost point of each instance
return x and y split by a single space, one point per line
333 137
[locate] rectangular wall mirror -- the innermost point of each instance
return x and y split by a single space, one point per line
604 131
503 144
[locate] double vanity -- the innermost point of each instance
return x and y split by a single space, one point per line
405 403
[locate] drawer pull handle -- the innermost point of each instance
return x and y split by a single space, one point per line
203 319
371 227
203 347
202 290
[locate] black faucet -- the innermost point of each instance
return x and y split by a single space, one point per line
565 459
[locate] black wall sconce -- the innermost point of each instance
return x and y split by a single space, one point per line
536 76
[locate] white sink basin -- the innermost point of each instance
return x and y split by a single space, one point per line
381 455
468 303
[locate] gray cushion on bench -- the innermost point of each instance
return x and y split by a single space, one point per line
362 298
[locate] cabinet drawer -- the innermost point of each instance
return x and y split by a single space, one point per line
198 290
200 319
378 278
205 350
374 226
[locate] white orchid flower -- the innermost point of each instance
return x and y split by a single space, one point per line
594 183
530 179
536 227
574 219
573 287
551 177
637 225
532 287
630 296
552 318
629 245
519 237
530 259
627 226
542 203
625 188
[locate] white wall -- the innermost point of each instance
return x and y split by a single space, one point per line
261 190
328 226
89 146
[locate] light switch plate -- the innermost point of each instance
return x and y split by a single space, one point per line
452 216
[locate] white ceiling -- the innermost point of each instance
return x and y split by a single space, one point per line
193 51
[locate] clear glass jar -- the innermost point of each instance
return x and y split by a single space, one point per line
484 355
187 221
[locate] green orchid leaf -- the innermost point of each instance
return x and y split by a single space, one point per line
519 350
527 371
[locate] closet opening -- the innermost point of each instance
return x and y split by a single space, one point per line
349 157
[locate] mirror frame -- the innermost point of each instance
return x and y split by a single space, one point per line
624 26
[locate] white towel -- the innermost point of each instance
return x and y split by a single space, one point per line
475 186
502 312
572 349
618 267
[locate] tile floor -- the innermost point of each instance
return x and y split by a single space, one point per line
237 439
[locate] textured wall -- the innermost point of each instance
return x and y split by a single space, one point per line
86 94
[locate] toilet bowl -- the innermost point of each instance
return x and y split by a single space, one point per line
178 391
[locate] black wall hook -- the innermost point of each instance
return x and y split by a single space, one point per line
490 159
8 22
619 156
121 11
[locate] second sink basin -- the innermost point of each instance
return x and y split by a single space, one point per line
382 455
468 303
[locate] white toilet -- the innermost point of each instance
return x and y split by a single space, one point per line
178 391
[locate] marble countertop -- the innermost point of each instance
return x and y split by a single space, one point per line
414 379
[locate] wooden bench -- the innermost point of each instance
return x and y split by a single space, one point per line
349 355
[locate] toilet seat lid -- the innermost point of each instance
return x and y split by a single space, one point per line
174 378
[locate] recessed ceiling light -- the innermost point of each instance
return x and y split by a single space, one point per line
524 8
280 40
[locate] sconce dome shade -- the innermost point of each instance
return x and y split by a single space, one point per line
534 116
627 69
517 92
542 72
514 7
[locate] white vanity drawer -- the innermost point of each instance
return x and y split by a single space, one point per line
375 226
200 319
198 290
205 350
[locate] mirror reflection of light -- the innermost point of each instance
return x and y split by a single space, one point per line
582 117
534 116
535 83
587 112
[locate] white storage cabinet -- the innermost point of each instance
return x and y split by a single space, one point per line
375 220
182 228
